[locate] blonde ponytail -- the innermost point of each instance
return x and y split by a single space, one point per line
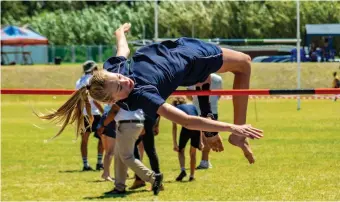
71 111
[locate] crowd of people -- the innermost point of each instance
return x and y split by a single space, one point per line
321 53
134 92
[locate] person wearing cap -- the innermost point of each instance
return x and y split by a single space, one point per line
88 68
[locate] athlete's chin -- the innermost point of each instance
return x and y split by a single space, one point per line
125 96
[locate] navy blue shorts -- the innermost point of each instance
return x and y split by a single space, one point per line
110 129
206 58
93 128
186 134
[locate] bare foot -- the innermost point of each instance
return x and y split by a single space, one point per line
108 178
215 143
244 145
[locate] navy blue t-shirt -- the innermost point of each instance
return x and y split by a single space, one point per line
158 69
189 109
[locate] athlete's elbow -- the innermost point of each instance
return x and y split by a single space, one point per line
127 51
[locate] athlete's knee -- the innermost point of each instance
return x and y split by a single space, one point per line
246 64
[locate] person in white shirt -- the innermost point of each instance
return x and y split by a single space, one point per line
89 67
216 83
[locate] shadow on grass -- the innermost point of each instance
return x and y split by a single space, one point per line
77 171
104 196
96 181
185 181
74 171
169 181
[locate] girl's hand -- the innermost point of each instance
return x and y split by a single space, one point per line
247 130
176 149
201 147
100 130
215 143
155 131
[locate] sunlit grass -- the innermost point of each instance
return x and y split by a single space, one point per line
298 159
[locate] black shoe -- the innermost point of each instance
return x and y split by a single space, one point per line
191 179
87 168
181 176
99 167
115 191
157 185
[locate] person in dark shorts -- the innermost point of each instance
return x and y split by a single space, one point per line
186 134
107 130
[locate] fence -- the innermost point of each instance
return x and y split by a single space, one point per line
78 54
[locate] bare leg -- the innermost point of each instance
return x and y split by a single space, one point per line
109 143
181 158
83 145
206 150
100 147
239 64
192 161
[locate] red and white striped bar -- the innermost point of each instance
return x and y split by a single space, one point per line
316 91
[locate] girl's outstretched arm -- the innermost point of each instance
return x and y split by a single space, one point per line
198 123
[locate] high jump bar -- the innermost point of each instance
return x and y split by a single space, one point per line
217 40
318 91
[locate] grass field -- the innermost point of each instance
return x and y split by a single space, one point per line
298 159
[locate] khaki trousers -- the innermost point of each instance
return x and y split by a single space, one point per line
127 134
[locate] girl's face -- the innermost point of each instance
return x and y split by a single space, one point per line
119 86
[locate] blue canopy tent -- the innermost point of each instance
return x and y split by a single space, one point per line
323 30
16 36
20 37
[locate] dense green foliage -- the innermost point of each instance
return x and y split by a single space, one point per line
66 23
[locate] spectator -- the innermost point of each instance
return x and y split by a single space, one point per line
312 53
336 83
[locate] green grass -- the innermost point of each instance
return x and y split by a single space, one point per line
298 159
